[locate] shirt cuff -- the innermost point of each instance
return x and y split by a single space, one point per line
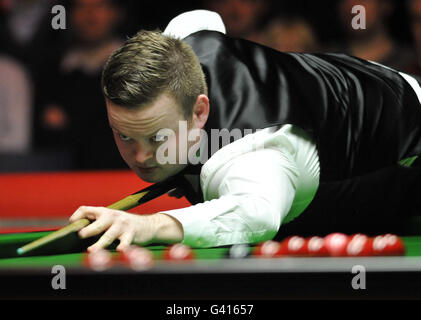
221 222
196 221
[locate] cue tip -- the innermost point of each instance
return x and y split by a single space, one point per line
20 251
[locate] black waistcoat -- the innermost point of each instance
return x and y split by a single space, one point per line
361 115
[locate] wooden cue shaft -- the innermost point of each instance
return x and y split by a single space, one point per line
124 204
75 226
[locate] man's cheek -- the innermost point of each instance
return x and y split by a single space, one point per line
124 152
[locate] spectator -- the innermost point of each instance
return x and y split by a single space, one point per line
374 42
25 30
75 114
289 34
414 8
15 107
241 17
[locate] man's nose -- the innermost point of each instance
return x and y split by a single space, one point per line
143 152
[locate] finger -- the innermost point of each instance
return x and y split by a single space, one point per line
96 227
126 240
108 237
85 212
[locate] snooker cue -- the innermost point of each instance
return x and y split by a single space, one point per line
124 204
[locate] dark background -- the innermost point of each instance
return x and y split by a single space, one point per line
83 141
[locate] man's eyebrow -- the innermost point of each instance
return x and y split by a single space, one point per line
156 131
114 128
148 135
165 132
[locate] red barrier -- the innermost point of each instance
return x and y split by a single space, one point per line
44 195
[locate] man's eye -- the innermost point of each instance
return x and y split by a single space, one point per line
158 138
123 137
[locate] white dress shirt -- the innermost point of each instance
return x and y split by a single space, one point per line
250 191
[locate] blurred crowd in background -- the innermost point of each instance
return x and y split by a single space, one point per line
52 112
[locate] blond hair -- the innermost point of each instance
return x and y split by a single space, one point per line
149 64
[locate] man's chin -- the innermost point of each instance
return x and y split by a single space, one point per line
148 177
156 175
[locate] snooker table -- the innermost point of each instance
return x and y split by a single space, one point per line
209 276
33 204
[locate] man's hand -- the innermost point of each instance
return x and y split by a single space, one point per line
128 228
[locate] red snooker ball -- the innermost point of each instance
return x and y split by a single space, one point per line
99 260
178 252
359 245
336 244
379 245
395 245
137 258
389 245
269 249
316 247
294 246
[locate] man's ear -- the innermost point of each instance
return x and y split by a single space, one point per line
200 112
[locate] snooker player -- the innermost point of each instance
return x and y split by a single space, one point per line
341 138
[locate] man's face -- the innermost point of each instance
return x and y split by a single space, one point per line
240 16
416 22
93 20
135 132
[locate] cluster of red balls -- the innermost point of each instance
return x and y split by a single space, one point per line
333 245
136 258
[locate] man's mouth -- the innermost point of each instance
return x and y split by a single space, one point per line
146 169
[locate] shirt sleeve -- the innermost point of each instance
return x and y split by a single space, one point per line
193 21
253 193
